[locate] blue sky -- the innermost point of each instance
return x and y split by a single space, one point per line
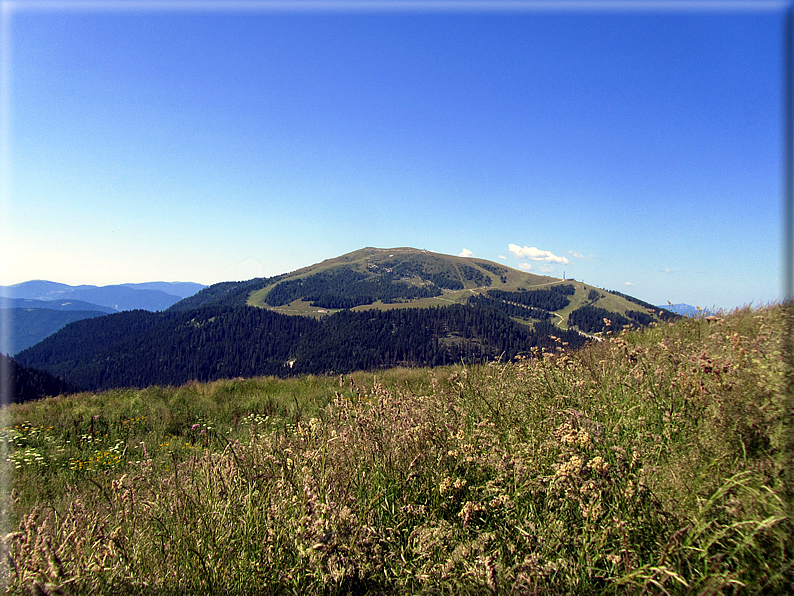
637 150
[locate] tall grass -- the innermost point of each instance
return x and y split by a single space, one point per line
652 463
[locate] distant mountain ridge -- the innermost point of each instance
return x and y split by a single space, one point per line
36 309
372 308
183 289
28 326
152 296
61 305
687 310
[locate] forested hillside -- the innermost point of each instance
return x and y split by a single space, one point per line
345 287
28 326
21 384
226 293
433 336
139 348
664 313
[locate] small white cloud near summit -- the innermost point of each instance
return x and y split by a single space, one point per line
466 253
531 252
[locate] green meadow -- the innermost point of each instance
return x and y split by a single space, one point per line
657 461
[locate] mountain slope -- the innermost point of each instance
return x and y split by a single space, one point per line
381 277
25 384
389 278
368 309
28 326
139 348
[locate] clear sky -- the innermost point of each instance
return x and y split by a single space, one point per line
637 149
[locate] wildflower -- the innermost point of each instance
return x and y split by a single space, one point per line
598 465
468 511
448 485
571 468
500 501
583 439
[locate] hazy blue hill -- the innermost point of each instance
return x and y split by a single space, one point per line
37 290
28 326
126 298
29 303
686 310
183 289
36 309
153 296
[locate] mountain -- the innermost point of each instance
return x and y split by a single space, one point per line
183 289
36 290
26 327
27 321
34 310
688 310
370 278
150 296
31 304
389 278
368 309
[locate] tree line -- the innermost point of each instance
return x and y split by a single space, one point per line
553 298
345 287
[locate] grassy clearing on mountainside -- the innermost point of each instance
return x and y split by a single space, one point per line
656 462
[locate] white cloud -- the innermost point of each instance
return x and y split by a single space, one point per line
628 283
576 254
531 252
466 253
525 266
546 268
504 258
